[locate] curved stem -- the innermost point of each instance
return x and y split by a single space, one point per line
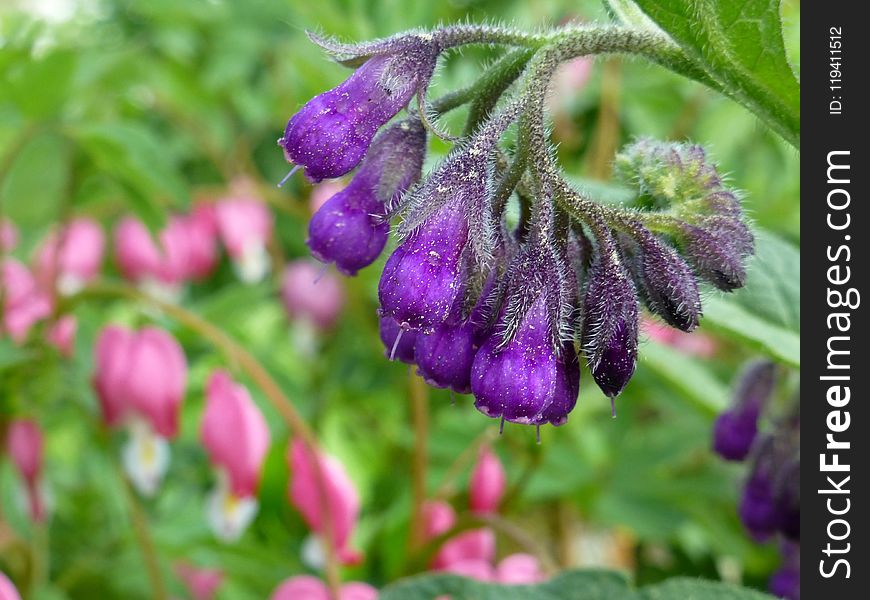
145 541
238 355
420 460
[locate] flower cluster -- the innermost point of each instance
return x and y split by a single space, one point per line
482 303
770 504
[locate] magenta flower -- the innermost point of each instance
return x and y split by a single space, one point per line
200 582
311 295
201 227
438 518
342 502
69 258
245 226
62 335
236 438
160 268
140 378
8 235
322 192
24 444
519 569
476 544
487 484
307 587
8 591
23 303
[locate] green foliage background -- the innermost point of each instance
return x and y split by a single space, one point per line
142 106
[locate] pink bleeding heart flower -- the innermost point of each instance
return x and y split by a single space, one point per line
202 584
140 378
23 303
476 544
160 267
312 295
71 257
236 437
25 447
519 569
245 226
62 335
8 591
438 518
695 343
342 502
201 227
8 235
473 568
487 483
569 79
322 192
307 587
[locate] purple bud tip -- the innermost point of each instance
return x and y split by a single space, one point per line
398 342
444 357
733 434
717 247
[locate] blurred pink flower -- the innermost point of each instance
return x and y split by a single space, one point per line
476 544
342 500
7 589
438 518
23 303
236 438
569 79
307 587
62 335
322 192
245 226
24 444
487 483
200 582
140 378
202 236
473 568
696 343
311 294
519 569
70 257
8 238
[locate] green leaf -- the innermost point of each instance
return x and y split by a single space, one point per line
740 45
686 374
568 585
134 155
34 187
765 314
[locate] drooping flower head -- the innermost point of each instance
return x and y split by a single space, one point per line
162 266
140 378
342 501
70 257
236 438
736 428
330 134
245 225
25 446
351 228
399 344
422 278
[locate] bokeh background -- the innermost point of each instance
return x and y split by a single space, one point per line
116 107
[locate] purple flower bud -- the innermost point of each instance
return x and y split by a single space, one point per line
758 510
610 322
421 279
398 343
786 581
788 500
567 388
736 428
517 381
350 229
666 282
332 132
444 357
717 248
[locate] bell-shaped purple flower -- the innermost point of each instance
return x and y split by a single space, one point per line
758 507
610 321
786 581
398 343
421 279
332 132
444 357
351 228
517 381
566 390
736 428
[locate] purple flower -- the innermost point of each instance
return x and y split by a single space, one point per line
421 279
610 321
351 228
332 132
717 248
736 428
399 343
786 581
444 357
566 391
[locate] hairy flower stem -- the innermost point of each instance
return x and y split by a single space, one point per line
420 420
238 356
